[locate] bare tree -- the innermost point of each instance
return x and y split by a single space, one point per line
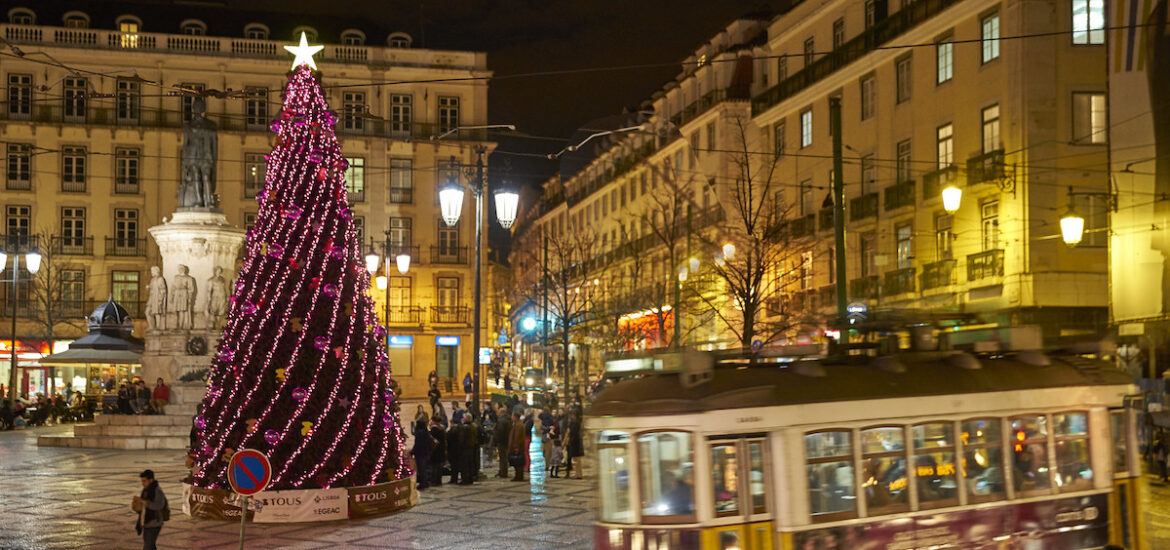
54 307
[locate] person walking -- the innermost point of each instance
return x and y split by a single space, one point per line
467 387
517 446
439 453
160 397
500 440
152 510
574 445
423 445
455 448
469 443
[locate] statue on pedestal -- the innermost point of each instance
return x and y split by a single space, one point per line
156 304
217 297
200 150
182 298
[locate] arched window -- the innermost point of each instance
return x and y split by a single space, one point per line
193 27
129 26
22 16
399 40
256 31
76 20
310 33
353 37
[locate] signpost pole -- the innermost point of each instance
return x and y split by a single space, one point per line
243 518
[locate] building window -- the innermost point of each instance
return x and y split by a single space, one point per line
905 78
935 472
868 251
829 461
1074 468
398 40
21 16
72 290
943 236
256 106
989 224
669 461
72 227
448 240
73 169
76 20
944 53
805 190
124 288
1030 455
19 166
126 170
990 37
868 174
355 179
806 128
255 166
249 219
129 27
945 141
19 95
694 150
256 31
809 51
74 97
1089 118
904 245
1088 21
782 68
187 100
125 227
193 28
870 13
353 107
18 220
983 459
884 461
399 233
400 292
400 114
903 165
1095 209
359 227
991 129
447 289
448 114
868 97
778 143
310 33
353 38
128 100
401 181
838 33
711 137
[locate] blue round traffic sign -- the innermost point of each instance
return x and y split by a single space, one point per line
249 472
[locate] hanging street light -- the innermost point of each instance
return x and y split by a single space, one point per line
380 282
952 196
1072 228
728 251
372 262
451 203
403 261
507 202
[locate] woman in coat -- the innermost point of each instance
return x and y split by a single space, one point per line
574 445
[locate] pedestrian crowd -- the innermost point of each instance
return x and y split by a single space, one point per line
454 446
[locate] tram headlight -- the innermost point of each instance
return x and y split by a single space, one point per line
529 381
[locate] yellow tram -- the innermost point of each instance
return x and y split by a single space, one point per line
942 448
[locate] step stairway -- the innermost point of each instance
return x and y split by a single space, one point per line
137 431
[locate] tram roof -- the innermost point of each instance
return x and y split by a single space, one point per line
858 379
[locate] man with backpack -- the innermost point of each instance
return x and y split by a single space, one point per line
152 510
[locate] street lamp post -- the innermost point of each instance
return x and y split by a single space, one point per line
33 264
373 261
451 203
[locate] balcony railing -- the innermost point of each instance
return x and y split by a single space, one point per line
72 246
17 184
126 187
827 296
73 186
448 254
699 106
825 220
865 206
449 314
899 195
404 315
985 167
125 247
938 274
12 241
865 287
899 281
983 265
66 308
934 182
355 195
401 195
804 227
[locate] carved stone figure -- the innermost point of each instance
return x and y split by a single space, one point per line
156 304
182 298
200 149
217 297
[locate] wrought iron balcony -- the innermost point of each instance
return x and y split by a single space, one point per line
985 167
76 186
401 195
355 195
899 281
803 227
448 254
404 315
124 186
938 274
125 247
66 245
865 206
865 287
983 265
18 184
899 195
13 241
450 315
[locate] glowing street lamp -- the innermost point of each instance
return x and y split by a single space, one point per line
1072 228
451 203
952 196
507 203
728 251
403 261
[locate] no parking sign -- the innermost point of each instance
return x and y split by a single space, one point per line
249 472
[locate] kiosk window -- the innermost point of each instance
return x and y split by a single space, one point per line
666 474
983 459
884 470
1030 454
725 478
614 478
757 483
1074 468
934 465
829 466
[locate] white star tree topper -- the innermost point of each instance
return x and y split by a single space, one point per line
304 53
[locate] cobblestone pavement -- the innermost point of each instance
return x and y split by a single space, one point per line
80 498
1156 505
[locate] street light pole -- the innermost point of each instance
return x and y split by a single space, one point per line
480 190
33 260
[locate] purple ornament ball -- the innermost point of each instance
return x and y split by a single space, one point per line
299 395
271 436
199 422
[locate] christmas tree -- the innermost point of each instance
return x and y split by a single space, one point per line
300 373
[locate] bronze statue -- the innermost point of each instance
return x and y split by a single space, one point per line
200 150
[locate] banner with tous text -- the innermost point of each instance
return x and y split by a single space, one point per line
382 499
211 504
302 506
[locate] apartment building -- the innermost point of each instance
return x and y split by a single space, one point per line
1003 101
91 126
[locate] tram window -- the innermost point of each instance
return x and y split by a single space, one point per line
884 470
983 460
1120 442
934 465
725 477
666 468
757 483
1074 469
829 464
614 478
1030 454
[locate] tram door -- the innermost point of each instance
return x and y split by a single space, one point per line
740 481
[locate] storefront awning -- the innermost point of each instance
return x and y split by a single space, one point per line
82 356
